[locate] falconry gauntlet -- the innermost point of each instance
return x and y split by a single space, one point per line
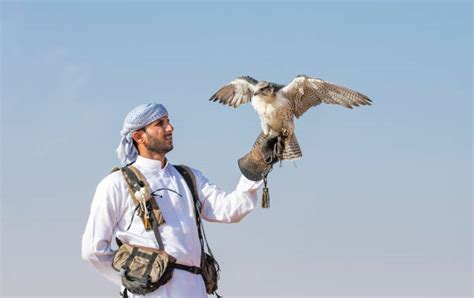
256 164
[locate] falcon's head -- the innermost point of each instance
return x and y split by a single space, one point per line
265 89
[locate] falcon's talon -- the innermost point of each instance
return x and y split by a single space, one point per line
278 149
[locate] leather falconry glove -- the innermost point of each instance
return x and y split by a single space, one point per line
256 164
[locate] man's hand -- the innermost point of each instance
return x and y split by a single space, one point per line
256 164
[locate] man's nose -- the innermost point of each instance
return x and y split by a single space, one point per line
170 127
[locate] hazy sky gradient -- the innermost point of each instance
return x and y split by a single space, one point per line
380 204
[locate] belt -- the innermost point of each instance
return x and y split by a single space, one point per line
192 269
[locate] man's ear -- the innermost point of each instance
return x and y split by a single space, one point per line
138 136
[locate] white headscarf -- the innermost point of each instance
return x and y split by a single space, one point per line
137 118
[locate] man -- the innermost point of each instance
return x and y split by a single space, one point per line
147 136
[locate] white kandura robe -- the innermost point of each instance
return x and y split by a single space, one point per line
112 209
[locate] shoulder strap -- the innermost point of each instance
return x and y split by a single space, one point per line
156 209
139 194
144 201
114 169
190 180
131 179
137 185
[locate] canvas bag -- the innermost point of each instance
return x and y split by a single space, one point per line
143 269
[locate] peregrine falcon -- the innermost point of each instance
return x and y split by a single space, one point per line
277 105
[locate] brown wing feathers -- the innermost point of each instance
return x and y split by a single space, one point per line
237 92
306 92
225 95
344 96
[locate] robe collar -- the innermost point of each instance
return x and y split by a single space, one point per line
152 165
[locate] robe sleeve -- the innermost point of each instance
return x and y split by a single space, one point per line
226 207
105 212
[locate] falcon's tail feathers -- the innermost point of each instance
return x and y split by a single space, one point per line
292 149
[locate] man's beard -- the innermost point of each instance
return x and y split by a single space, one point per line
158 146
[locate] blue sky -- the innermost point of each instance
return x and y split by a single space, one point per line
380 204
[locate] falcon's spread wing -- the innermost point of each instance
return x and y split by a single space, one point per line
237 92
306 92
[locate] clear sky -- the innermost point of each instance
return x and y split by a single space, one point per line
380 204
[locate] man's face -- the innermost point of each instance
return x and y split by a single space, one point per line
159 136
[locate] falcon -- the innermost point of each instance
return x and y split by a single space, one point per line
278 105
